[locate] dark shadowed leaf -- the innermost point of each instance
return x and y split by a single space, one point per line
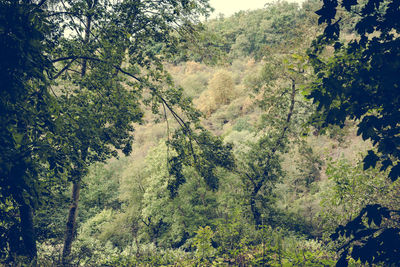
370 160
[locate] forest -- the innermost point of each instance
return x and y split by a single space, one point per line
146 133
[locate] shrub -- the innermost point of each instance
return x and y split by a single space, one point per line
202 241
222 88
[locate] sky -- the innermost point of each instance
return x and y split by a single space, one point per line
230 7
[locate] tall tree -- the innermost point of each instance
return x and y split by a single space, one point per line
106 40
106 55
26 123
361 82
260 167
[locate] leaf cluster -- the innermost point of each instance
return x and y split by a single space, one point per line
200 150
369 242
360 81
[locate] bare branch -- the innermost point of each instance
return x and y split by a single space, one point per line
63 69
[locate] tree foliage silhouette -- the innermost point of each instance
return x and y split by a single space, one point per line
361 82
26 108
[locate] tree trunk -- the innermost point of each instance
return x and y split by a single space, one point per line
279 143
26 229
254 209
28 232
69 232
76 186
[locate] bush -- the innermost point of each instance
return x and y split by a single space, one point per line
202 242
222 88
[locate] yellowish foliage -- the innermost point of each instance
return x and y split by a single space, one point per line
222 88
193 67
221 91
250 63
205 103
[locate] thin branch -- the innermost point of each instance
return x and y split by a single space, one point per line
63 69
60 13
72 19
166 120
72 70
251 179
64 58
51 89
41 3
180 121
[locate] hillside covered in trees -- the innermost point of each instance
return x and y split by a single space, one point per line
141 133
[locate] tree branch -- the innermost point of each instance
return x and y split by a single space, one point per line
41 3
63 69
180 121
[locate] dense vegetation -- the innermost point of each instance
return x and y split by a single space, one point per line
132 134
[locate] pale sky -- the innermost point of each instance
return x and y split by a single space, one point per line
230 7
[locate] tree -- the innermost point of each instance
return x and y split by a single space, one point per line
98 114
222 88
250 33
260 166
351 188
361 82
51 130
26 124
220 91
171 222
109 40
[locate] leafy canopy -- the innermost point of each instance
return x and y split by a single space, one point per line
361 82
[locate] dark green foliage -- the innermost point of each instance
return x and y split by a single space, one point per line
23 30
261 166
89 115
171 222
361 82
79 77
200 150
51 212
371 241
260 169
100 113
27 125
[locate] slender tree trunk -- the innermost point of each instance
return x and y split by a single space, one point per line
71 222
254 210
289 115
76 186
28 232
279 143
